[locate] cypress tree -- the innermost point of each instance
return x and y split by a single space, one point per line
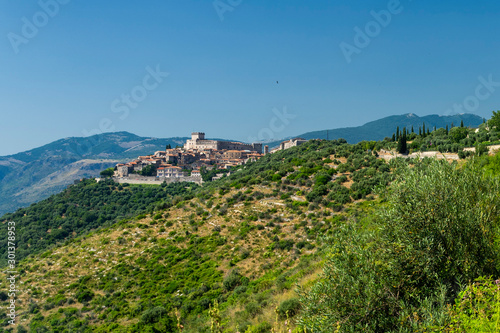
423 128
447 131
397 132
462 123
428 132
452 125
402 146
420 131
412 131
393 137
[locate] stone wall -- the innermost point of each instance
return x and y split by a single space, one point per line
158 180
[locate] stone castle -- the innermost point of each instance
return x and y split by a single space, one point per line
199 142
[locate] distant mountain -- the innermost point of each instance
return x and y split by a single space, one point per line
33 175
385 127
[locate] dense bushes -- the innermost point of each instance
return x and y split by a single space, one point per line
83 207
353 289
477 309
437 231
289 308
443 221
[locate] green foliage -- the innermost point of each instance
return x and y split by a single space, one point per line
84 295
402 145
263 327
476 309
157 320
108 172
495 120
322 179
233 280
442 221
491 164
80 208
438 229
354 288
149 170
458 133
289 308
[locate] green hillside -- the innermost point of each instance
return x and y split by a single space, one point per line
324 237
84 207
230 241
36 174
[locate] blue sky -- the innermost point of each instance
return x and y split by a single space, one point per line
70 75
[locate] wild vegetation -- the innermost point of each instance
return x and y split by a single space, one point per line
399 268
324 237
83 207
444 140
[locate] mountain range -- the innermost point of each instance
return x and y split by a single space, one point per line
33 175
385 127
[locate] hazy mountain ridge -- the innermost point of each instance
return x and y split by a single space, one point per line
385 127
33 175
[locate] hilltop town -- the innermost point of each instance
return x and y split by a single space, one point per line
186 163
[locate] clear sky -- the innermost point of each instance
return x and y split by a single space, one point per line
72 68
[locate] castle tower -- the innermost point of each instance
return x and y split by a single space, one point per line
197 136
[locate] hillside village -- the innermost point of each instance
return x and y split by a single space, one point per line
185 163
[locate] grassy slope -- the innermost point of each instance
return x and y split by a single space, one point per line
186 257
178 258
80 208
176 262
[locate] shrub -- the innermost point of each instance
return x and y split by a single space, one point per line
263 327
253 309
289 308
352 288
443 222
152 315
476 309
84 295
438 228
232 280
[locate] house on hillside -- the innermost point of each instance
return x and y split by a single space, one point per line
169 172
